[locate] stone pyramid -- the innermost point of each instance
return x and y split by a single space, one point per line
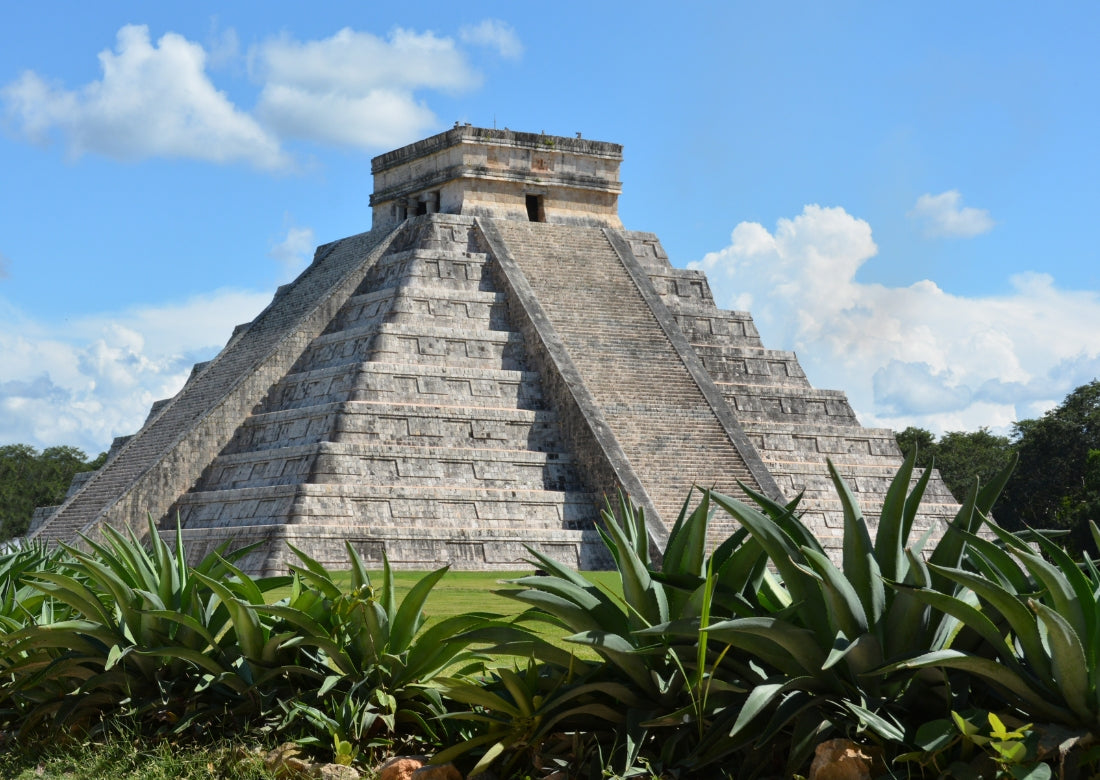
476 374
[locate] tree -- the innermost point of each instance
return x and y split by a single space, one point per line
960 456
924 440
30 479
965 456
1056 480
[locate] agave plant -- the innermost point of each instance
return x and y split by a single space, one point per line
518 714
822 654
1038 614
19 603
139 628
654 679
375 657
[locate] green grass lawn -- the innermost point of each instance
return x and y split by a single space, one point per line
460 592
472 591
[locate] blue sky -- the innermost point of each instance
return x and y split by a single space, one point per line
905 194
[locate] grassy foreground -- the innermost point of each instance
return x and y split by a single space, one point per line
968 655
120 756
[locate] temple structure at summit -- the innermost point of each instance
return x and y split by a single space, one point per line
475 374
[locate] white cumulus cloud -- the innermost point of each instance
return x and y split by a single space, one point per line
494 34
913 355
352 89
86 381
152 100
944 216
356 89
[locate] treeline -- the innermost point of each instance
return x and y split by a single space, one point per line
29 479
1056 484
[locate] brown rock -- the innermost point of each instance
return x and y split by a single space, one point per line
334 772
841 759
401 767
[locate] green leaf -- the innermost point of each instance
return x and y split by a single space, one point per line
798 642
995 562
892 531
686 549
472 693
861 570
1036 699
846 608
784 517
1010 606
1082 590
360 578
590 599
617 648
71 592
935 735
1070 666
760 699
912 506
246 623
408 619
877 723
1064 594
864 653
785 556
949 549
645 597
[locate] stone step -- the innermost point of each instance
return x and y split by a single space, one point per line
396 342
473 348
364 310
408 383
364 422
787 404
681 285
740 364
390 506
773 439
449 385
453 270
862 478
405 547
447 307
329 462
708 326
317 387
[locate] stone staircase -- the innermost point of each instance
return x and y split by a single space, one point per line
794 426
412 424
150 469
655 408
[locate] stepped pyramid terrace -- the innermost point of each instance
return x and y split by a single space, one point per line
475 374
